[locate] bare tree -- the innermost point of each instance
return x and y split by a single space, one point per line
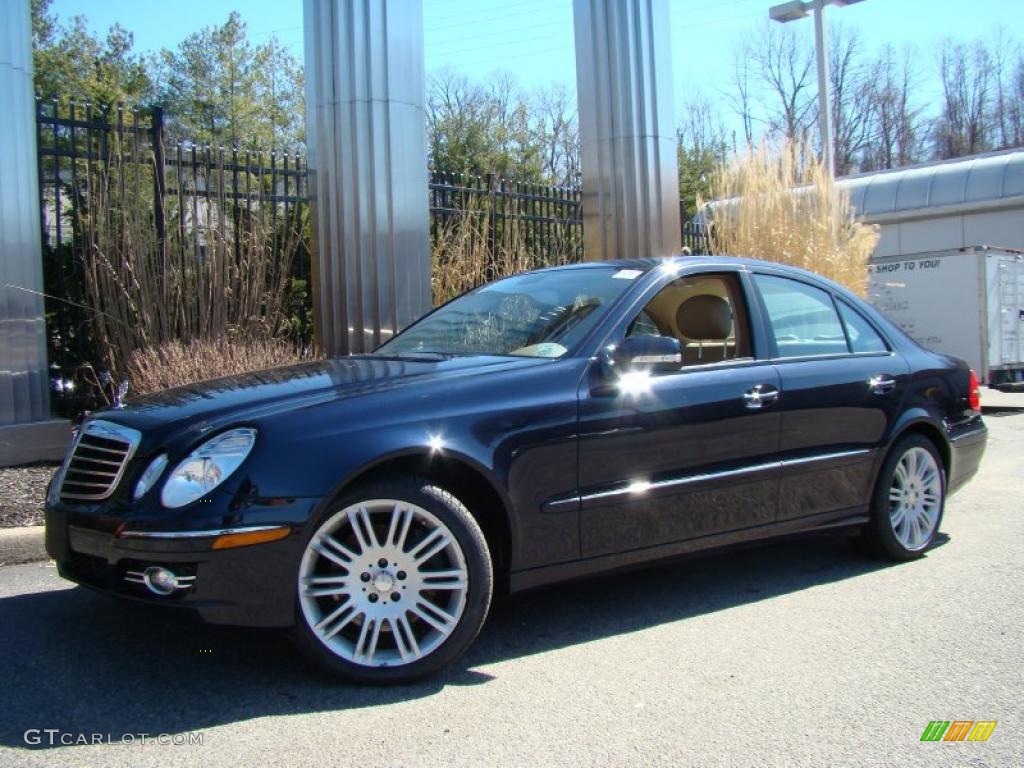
784 64
852 100
879 117
702 146
741 97
700 123
963 126
1015 112
896 124
556 130
1008 101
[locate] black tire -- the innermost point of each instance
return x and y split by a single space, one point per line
480 583
879 535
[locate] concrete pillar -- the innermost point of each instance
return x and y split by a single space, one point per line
366 138
627 129
26 431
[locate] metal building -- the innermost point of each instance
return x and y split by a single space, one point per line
977 200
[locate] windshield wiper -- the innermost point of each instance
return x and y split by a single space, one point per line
425 356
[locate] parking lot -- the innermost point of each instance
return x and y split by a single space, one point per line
801 652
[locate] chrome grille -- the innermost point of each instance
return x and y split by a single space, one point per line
97 460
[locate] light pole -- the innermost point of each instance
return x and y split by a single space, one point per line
798 9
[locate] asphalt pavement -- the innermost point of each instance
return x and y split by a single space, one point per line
796 653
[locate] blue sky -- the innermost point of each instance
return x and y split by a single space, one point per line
533 39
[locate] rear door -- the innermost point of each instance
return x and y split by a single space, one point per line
686 453
842 388
1005 285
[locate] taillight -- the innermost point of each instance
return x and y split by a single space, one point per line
974 397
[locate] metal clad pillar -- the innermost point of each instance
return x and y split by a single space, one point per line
366 126
24 395
627 129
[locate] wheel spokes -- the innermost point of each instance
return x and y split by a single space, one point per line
334 551
915 498
434 616
368 599
444 579
325 586
336 621
405 638
437 541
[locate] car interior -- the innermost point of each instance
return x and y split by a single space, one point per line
704 313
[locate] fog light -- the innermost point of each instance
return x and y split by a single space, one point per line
159 580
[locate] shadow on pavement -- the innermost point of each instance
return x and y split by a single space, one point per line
1000 411
82 662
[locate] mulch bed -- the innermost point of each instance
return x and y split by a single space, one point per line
22 492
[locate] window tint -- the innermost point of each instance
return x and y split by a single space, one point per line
705 312
863 338
803 318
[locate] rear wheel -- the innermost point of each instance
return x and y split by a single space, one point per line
394 583
908 501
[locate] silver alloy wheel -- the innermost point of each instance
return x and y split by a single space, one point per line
915 498
383 583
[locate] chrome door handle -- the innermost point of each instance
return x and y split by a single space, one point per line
882 384
758 397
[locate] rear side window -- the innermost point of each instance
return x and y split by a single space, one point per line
803 318
863 337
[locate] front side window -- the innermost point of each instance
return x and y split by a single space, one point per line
802 318
706 313
540 314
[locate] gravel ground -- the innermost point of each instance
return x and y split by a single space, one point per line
22 491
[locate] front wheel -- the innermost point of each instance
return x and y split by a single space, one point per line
908 501
394 583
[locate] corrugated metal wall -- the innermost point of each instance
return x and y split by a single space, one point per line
23 376
367 159
627 129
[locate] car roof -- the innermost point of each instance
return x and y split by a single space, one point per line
649 263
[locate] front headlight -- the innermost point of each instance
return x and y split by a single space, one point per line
207 466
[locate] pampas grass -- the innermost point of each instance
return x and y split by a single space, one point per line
779 204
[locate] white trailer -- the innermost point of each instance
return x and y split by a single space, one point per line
967 302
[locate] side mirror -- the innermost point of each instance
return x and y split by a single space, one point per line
644 353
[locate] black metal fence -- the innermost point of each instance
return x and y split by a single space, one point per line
122 210
113 171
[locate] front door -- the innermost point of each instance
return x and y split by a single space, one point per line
688 453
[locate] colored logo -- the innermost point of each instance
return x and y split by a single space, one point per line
959 730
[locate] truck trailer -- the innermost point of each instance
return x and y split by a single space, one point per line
966 302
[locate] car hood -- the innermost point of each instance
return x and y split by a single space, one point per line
210 404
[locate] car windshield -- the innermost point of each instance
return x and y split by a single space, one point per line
540 314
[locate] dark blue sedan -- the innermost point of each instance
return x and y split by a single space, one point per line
541 428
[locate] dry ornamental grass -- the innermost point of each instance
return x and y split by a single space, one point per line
175 364
781 205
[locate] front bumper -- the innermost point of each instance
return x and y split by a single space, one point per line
251 585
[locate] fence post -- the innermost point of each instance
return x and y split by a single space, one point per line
157 134
492 226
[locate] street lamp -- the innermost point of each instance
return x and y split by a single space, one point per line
799 9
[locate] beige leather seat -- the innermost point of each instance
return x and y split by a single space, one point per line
706 321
